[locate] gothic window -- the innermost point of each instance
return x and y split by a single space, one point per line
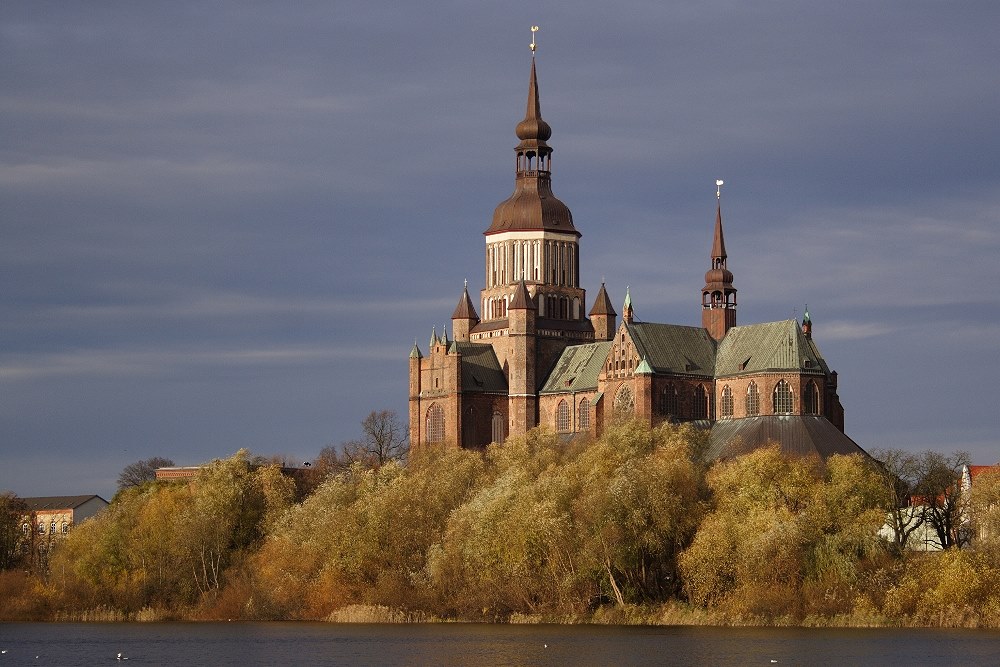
52 528
810 400
25 527
498 427
65 527
624 402
782 398
562 417
726 404
753 400
41 527
668 401
435 423
583 419
699 407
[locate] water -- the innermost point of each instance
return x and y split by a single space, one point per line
68 644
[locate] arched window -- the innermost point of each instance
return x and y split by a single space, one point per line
753 400
498 424
726 404
624 402
699 405
41 527
583 416
52 528
562 417
668 401
65 527
782 398
25 527
435 423
810 399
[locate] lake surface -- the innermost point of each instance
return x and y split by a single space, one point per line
68 644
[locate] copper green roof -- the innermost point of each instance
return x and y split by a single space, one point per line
481 371
644 368
771 346
577 368
675 349
415 352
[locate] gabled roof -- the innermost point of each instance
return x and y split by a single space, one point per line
59 502
770 346
672 348
481 371
577 368
805 435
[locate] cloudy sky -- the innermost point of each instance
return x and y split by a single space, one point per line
225 223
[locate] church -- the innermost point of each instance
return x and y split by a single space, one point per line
529 352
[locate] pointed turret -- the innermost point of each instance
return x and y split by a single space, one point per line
415 352
464 317
718 296
627 306
603 316
807 323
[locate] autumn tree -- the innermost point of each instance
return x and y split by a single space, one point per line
13 513
984 508
782 528
939 492
383 439
900 474
140 472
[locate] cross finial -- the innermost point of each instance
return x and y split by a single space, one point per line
718 188
534 29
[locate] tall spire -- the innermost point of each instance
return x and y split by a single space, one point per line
718 296
532 206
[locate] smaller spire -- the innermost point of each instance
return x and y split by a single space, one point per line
807 323
444 335
627 308
434 337
602 304
644 368
465 310
415 352
522 298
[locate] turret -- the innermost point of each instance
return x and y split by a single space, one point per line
603 316
464 317
522 362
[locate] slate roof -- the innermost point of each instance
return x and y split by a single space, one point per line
481 371
672 348
770 346
577 368
58 502
805 435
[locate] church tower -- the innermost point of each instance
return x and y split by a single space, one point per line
718 296
532 237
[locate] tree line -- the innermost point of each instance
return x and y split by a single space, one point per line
624 526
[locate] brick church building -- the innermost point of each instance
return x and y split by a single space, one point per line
530 353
